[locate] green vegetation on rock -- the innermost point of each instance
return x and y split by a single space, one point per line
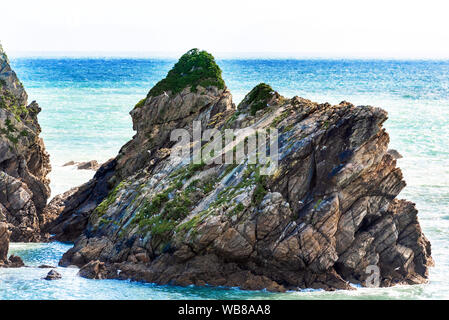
110 199
191 224
317 204
161 215
279 119
10 103
9 131
166 209
259 97
194 68
260 191
140 104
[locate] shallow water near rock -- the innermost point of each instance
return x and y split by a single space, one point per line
85 106
28 283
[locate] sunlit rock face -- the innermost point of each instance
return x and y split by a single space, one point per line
324 218
24 163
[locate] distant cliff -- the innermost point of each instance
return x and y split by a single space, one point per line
24 163
325 218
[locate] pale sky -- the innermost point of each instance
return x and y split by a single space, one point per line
312 28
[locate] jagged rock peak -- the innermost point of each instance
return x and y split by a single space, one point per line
194 82
193 90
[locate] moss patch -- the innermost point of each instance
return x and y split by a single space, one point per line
279 119
261 190
161 215
187 172
165 210
317 204
141 103
101 209
194 68
238 209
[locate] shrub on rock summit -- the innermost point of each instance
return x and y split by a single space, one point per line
194 68
258 98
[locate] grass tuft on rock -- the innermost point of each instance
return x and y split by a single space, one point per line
101 209
140 104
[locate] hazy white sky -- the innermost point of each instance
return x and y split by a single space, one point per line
312 28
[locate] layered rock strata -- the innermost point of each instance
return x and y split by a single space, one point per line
326 217
24 162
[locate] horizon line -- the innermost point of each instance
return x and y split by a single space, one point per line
219 55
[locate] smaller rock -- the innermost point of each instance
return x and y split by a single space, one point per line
53 275
93 270
15 262
45 266
86 165
89 165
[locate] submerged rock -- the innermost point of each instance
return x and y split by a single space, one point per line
15 262
24 163
53 275
323 219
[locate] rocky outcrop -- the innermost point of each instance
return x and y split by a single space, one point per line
53 275
94 270
24 163
323 218
4 241
12 261
86 165
15 262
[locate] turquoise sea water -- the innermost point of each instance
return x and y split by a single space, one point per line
85 104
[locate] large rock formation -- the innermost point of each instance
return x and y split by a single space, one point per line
324 218
24 163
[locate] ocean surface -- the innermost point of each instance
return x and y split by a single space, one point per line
85 115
